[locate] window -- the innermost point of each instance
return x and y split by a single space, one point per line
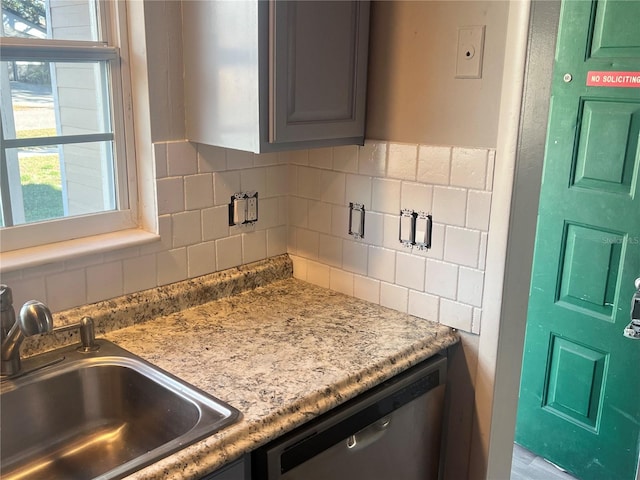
64 171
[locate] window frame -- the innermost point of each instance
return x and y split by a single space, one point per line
114 50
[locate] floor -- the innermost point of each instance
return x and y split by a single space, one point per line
528 466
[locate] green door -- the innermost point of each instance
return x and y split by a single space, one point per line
579 401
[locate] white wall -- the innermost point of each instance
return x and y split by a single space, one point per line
413 93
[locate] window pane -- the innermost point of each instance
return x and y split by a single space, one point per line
59 181
53 99
54 19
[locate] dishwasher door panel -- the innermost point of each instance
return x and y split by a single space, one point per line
392 432
406 448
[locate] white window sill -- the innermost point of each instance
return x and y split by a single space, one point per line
60 251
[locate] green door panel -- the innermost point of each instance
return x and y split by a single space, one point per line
616 32
580 385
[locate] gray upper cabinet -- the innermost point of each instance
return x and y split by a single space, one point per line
266 76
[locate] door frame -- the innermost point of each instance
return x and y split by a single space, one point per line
518 176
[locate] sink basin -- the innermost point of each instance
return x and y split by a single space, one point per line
100 414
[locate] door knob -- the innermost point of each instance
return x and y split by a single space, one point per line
633 329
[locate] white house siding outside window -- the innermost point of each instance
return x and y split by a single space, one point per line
64 172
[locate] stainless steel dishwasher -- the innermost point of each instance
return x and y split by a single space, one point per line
392 432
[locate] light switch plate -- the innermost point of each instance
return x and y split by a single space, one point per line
470 51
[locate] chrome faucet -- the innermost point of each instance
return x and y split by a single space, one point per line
34 318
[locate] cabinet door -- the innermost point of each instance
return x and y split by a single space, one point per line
318 70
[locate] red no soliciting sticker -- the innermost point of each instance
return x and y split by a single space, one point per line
613 79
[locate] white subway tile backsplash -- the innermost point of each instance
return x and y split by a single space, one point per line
410 271
330 250
341 281
441 279
254 180
394 296
139 273
198 191
423 305
318 274
382 264
374 228
372 158
186 227
470 286
171 266
319 216
299 267
358 190
333 187
299 157
366 288
268 213
417 197
166 237
303 210
25 289
391 233
254 246
478 210
292 240
215 223
456 315
321 158
97 288
228 252
482 254
237 159
182 158
276 241
201 259
437 242
434 164
225 184
403 161
170 195
386 196
66 289
309 183
298 212
160 158
345 159
277 181
211 159
355 256
461 246
449 205
266 159
469 168
308 243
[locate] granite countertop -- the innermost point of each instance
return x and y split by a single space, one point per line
281 353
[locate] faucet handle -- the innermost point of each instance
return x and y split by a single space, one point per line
35 317
7 314
6 298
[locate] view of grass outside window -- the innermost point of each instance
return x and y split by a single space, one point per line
39 166
58 152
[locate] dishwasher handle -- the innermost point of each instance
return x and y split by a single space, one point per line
368 435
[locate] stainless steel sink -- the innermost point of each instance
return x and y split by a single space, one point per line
100 414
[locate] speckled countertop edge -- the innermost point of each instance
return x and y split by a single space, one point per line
280 350
138 307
